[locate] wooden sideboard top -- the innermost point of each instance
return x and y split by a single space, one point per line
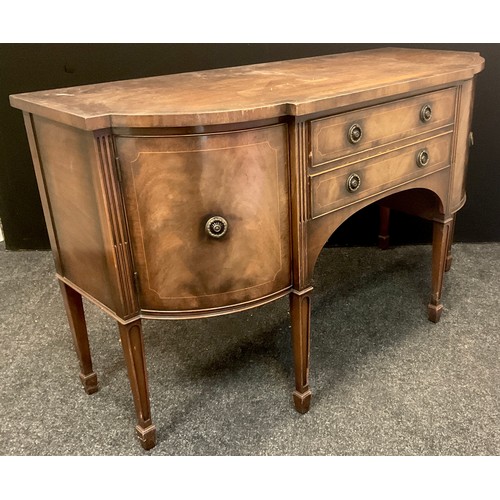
254 92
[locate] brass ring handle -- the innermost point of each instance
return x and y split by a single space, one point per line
355 133
216 227
426 113
353 183
423 158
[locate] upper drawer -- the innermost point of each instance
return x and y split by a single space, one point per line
350 133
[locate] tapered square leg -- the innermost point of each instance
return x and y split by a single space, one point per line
440 239
133 350
76 319
300 312
383 233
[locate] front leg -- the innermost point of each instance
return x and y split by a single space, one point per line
440 239
76 319
300 312
133 350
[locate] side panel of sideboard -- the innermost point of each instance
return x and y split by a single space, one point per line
72 185
461 150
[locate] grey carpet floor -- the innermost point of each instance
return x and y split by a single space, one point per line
385 380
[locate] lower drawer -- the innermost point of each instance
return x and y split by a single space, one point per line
349 184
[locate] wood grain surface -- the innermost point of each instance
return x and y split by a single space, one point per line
174 185
70 178
240 94
381 125
329 190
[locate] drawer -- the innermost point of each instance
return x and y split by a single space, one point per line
351 133
343 186
208 217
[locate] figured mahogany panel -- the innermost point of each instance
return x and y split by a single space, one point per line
329 190
69 173
173 185
381 125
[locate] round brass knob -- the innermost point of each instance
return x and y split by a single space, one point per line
426 113
423 158
353 183
216 227
355 133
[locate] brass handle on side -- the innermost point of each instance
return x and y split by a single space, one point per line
216 227
353 183
426 113
423 158
354 133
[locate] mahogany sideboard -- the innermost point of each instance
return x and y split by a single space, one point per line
207 193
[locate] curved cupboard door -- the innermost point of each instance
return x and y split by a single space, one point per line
208 216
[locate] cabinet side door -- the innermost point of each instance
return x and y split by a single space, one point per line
174 185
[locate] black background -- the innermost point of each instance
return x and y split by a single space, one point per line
30 67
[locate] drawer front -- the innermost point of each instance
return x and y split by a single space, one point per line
208 217
346 185
351 133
